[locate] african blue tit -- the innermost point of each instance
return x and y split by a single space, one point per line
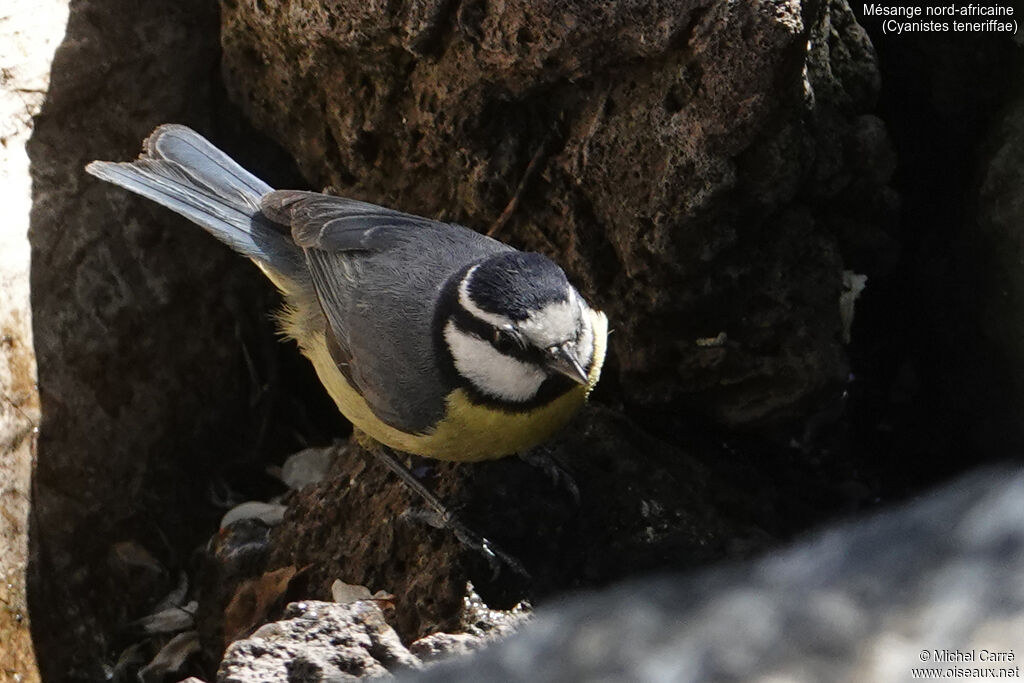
431 338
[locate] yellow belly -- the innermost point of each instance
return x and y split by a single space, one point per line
469 431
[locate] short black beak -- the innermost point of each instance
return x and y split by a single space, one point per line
561 359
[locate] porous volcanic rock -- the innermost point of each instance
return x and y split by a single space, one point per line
318 642
639 504
698 167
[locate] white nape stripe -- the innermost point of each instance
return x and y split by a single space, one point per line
466 301
490 371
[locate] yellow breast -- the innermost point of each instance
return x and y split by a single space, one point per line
469 431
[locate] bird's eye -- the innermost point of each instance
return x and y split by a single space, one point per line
506 340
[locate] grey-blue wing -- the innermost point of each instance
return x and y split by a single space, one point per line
379 275
320 221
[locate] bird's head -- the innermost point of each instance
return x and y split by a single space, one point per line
517 324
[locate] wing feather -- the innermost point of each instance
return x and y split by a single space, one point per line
378 275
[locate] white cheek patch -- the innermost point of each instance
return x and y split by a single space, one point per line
489 370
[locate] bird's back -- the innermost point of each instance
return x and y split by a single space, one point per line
379 276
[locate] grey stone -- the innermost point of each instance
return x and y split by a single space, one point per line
318 642
440 645
872 599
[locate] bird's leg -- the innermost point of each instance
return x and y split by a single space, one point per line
440 517
544 458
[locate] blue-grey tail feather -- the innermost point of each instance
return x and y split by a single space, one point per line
181 170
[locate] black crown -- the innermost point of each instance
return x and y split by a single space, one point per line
516 283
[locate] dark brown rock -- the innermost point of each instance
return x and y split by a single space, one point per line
143 329
643 504
689 163
1001 240
936 382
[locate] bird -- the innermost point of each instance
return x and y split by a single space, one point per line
431 338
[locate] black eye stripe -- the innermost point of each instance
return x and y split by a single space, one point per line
470 324
505 341
449 310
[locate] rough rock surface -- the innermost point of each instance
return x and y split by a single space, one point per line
696 168
934 390
440 645
1001 240
29 33
678 157
871 600
643 505
145 334
104 321
318 642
